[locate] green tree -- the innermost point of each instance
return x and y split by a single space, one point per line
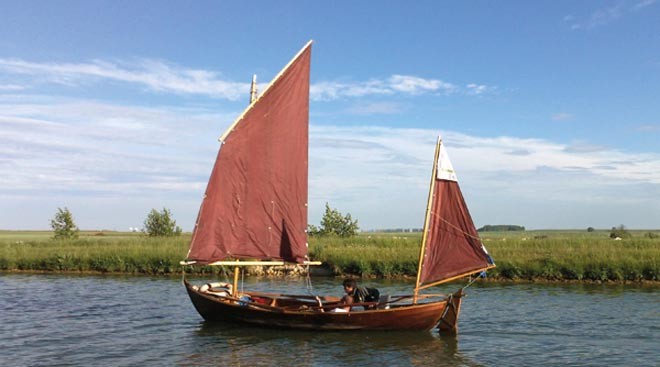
63 224
159 224
313 230
620 232
334 223
590 229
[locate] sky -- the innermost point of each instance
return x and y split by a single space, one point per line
549 110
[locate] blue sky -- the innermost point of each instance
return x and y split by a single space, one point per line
550 110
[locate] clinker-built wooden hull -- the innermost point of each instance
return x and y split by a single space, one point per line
294 312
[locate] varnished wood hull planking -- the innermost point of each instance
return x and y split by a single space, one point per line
422 316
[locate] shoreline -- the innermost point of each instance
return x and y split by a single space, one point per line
490 280
541 257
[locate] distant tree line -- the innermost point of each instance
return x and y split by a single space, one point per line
161 224
157 224
395 230
621 232
500 228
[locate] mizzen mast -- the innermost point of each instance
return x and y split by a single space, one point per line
427 221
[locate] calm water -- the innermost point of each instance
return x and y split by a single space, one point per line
138 321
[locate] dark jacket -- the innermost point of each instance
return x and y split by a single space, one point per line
363 294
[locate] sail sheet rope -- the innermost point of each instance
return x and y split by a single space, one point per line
482 274
459 229
308 282
310 288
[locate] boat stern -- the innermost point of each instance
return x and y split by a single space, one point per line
449 319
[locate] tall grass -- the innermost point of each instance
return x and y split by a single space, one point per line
532 255
578 259
377 255
547 255
122 254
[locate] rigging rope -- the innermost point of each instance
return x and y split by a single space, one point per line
482 274
460 229
308 282
490 259
310 288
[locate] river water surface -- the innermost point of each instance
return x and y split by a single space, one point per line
48 320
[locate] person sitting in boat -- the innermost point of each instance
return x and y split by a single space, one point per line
356 294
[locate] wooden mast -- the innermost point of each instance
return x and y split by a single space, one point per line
237 263
427 220
253 97
231 127
253 89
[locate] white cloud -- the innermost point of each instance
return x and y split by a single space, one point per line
381 176
11 87
562 116
405 84
88 153
375 108
57 150
584 147
91 148
648 128
478 89
159 76
493 155
415 85
607 15
154 74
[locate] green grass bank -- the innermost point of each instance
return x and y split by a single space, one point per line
529 255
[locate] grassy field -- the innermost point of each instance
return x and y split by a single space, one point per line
92 252
531 255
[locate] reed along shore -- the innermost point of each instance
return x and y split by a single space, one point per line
526 255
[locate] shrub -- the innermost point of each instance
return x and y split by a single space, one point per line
63 224
334 223
620 232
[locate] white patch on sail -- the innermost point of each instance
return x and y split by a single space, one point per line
445 168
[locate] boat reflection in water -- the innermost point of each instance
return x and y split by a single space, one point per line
248 345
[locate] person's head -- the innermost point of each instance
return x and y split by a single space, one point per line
349 285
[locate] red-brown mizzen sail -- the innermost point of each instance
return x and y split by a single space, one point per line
255 206
452 247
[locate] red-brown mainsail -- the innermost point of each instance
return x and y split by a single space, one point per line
255 206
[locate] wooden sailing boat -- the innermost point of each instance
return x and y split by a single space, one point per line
254 212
